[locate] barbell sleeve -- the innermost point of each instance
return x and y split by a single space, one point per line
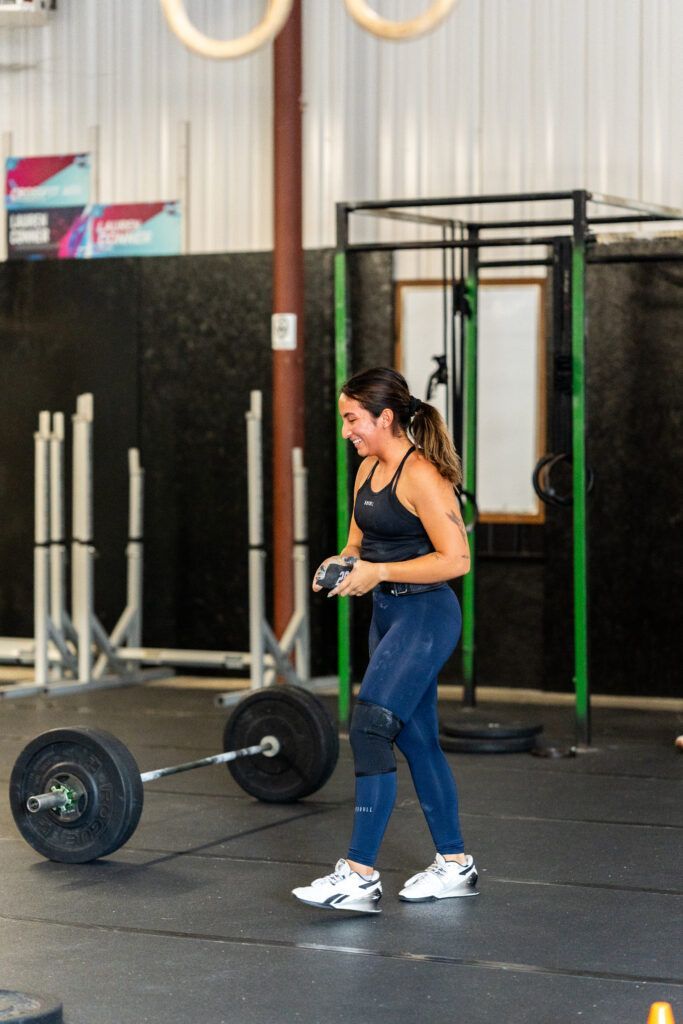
46 802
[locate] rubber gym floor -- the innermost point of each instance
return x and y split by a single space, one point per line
579 916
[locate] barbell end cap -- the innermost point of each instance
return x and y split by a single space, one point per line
271 745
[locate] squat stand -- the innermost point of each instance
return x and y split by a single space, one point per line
74 652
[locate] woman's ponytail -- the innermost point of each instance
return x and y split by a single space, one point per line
430 433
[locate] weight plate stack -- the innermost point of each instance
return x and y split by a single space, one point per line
309 745
479 735
103 775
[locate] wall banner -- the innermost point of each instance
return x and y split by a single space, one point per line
95 232
46 182
38 234
125 229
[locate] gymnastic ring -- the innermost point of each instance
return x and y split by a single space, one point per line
464 497
385 28
273 21
540 480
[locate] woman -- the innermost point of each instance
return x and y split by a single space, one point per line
409 539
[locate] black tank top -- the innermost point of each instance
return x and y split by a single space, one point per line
390 532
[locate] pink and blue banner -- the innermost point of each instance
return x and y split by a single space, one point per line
95 232
47 182
128 229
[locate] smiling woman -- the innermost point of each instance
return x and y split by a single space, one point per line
408 539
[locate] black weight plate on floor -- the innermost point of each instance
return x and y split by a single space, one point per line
112 794
22 1008
476 745
488 728
309 745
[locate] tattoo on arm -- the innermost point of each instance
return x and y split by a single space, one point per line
455 518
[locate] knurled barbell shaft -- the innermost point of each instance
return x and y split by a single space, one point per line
269 746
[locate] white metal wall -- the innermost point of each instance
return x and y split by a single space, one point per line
506 96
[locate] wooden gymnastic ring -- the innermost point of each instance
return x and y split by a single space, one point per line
226 49
385 28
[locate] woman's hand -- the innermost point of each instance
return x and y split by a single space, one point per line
321 569
363 577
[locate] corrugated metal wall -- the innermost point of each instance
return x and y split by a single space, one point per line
507 95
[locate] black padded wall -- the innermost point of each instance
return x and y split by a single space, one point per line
509 637
204 344
170 348
65 328
635 448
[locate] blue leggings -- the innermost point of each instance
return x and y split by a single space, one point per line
411 637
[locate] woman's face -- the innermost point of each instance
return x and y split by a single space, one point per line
360 427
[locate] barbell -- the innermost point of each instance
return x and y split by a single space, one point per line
77 794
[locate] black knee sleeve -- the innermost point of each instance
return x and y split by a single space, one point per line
373 731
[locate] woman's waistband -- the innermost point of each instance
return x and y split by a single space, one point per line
403 589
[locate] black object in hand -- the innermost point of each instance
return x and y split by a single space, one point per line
331 575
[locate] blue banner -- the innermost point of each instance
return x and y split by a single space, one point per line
47 182
95 232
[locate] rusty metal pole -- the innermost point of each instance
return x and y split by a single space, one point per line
288 288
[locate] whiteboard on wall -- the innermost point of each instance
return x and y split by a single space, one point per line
510 382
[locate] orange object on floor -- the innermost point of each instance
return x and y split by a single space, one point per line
661 1013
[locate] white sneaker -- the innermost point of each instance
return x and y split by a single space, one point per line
343 889
440 881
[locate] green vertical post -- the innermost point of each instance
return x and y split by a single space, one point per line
580 553
469 457
343 513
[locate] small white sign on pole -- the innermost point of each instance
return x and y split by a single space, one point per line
283 331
